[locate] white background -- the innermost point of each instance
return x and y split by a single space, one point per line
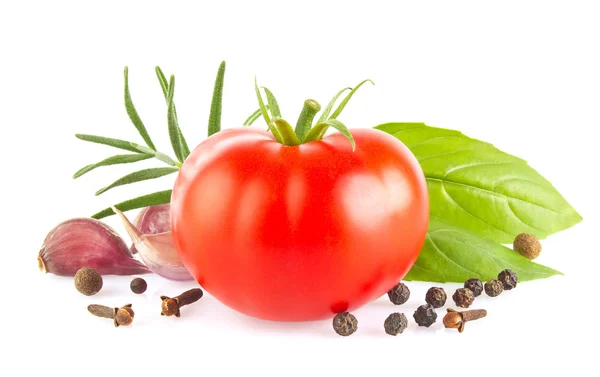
522 75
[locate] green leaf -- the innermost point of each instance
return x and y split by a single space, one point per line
138 176
452 254
476 186
286 132
116 143
273 105
252 118
156 154
162 79
325 114
165 89
344 102
214 119
261 104
114 160
154 199
320 129
174 132
133 115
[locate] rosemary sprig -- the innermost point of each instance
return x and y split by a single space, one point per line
141 152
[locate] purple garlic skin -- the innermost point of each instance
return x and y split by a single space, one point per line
86 242
156 250
153 220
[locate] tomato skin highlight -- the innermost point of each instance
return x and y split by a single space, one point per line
298 233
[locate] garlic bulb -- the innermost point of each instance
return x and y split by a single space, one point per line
153 220
157 251
86 242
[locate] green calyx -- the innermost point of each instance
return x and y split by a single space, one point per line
305 130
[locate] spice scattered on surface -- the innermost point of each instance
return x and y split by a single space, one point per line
527 245
395 324
457 320
475 285
425 315
138 286
345 324
463 297
508 278
399 294
171 306
121 316
88 281
493 288
436 297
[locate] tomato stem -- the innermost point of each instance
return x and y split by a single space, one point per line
286 132
305 120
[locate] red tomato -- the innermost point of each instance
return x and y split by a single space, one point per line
295 233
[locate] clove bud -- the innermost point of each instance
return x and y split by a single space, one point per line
121 316
170 306
86 242
457 320
157 251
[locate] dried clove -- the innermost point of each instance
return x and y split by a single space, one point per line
456 320
121 316
171 306
88 281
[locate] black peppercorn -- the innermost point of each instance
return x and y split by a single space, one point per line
399 294
475 285
138 286
435 297
425 315
345 324
493 288
463 297
395 324
508 278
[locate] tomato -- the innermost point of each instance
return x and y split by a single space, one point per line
297 233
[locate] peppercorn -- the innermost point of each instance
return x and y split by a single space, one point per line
345 324
399 294
138 286
436 297
88 281
463 297
493 288
527 245
425 315
475 285
395 324
508 278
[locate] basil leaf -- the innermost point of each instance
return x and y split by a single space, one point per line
452 254
113 160
138 176
154 199
478 187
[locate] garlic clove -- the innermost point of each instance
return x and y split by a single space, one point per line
157 251
153 220
86 242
